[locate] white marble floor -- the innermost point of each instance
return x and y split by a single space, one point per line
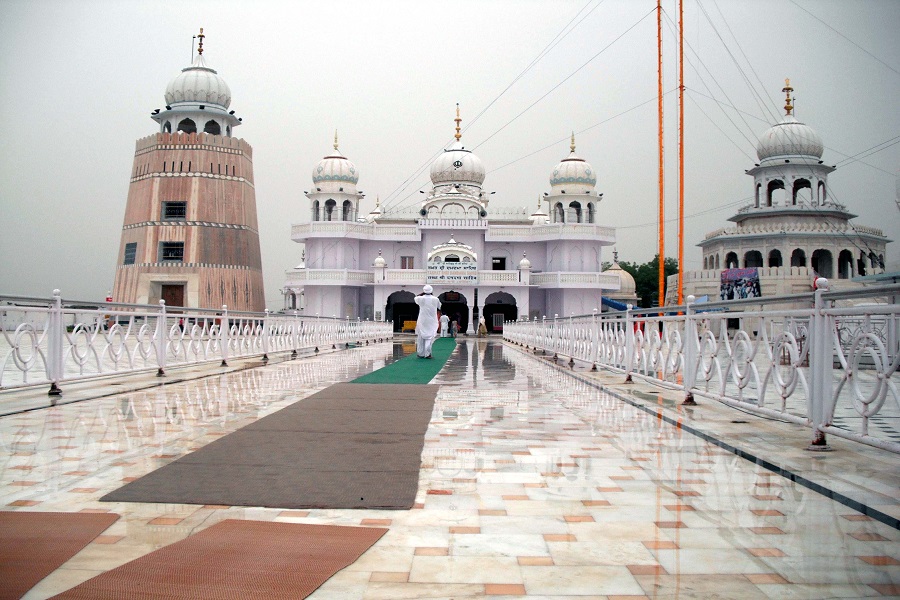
534 483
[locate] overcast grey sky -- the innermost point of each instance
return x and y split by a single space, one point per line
78 81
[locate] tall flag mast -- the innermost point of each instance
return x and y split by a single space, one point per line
680 155
662 203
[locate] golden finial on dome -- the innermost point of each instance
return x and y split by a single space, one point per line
458 121
572 145
335 140
615 256
377 203
200 44
787 89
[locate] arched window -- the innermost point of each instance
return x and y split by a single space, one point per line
717 261
821 188
705 263
330 205
731 260
861 264
212 127
574 212
752 259
559 213
315 215
591 210
168 127
775 258
774 197
798 258
821 263
845 264
228 130
187 126
758 189
802 192
347 211
451 258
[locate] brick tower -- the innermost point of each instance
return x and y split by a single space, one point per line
190 235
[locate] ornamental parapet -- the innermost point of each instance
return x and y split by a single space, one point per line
562 279
298 277
549 232
447 277
355 230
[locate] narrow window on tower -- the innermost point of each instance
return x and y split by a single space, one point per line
130 253
407 262
174 211
171 252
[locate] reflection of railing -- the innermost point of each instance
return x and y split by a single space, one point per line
803 365
47 341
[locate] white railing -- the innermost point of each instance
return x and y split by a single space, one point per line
354 229
329 276
831 367
49 341
451 223
550 231
556 279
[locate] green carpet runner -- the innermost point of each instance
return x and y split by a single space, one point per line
413 369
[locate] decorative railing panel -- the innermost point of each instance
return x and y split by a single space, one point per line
49 341
832 367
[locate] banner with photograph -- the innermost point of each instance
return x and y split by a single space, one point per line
737 284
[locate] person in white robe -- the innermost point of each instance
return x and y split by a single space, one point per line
445 325
427 323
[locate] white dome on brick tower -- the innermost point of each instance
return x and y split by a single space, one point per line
335 173
456 165
790 138
573 175
199 83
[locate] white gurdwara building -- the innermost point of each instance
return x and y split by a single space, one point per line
794 230
502 264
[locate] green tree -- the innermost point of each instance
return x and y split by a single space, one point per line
646 278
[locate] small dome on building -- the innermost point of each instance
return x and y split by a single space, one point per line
573 174
379 263
200 84
524 264
335 168
790 137
627 287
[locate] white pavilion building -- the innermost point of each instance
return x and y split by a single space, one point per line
503 264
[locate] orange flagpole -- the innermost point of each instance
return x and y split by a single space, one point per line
662 204
680 153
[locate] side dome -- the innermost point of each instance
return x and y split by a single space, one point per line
200 84
627 287
457 165
573 172
790 138
335 168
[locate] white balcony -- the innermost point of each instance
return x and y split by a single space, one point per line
354 230
300 277
561 279
554 231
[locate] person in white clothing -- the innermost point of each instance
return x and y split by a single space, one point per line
427 323
445 325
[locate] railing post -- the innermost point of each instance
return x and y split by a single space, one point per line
265 337
55 336
689 353
224 335
821 365
161 338
629 343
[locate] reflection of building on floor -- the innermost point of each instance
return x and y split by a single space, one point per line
503 264
794 230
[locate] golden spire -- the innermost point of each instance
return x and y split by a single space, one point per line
572 145
787 89
458 121
200 44
335 140
377 203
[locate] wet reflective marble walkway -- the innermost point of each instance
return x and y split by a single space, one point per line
534 483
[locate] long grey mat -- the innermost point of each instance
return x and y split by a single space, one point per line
348 446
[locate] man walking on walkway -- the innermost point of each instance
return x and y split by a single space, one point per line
427 323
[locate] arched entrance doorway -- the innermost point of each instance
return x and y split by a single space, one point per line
499 307
401 306
453 304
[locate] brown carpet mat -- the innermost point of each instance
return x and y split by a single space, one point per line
348 446
34 544
236 559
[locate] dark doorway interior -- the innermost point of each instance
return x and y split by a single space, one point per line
173 294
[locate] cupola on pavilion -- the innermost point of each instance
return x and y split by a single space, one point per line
794 230
501 263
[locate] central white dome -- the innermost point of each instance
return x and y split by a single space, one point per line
457 165
199 83
790 138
